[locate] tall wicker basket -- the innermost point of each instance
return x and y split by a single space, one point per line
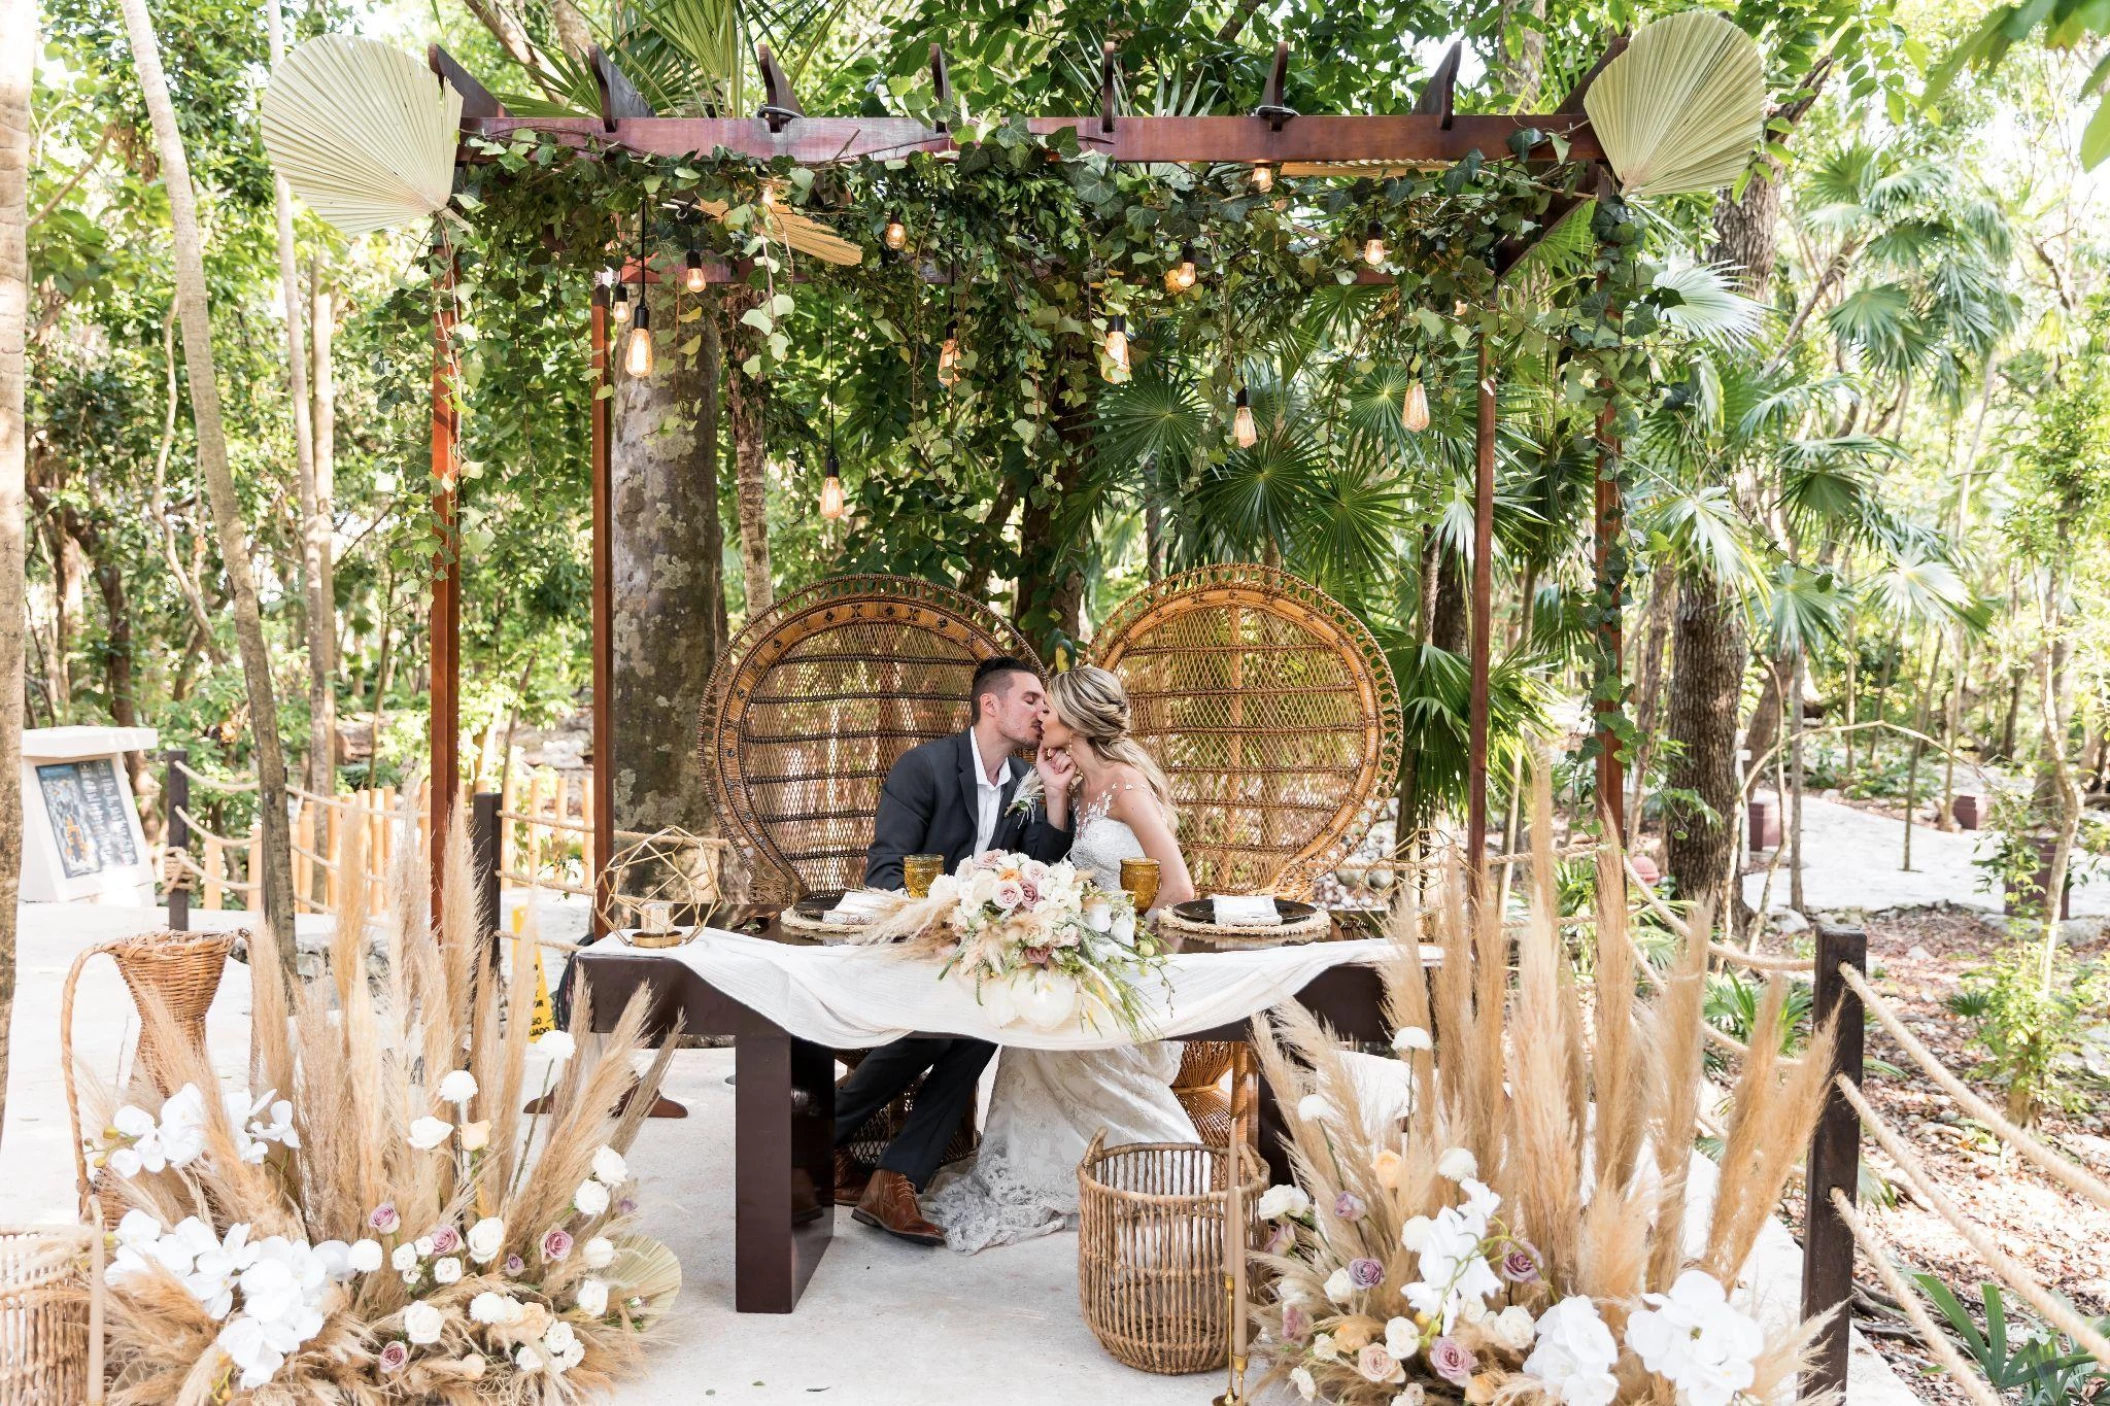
51 1287
1150 1251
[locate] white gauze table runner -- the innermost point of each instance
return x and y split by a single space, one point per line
849 997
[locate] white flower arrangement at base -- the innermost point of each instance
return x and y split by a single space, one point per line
1044 946
383 1234
1400 1265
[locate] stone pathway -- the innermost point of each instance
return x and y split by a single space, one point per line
1854 861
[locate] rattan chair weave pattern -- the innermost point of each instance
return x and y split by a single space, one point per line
818 698
1272 710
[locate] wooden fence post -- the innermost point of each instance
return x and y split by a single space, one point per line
175 795
1834 1162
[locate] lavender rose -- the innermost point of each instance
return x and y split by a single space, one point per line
556 1244
1520 1264
1349 1206
515 1266
1295 1323
1452 1360
1366 1273
384 1219
446 1240
395 1357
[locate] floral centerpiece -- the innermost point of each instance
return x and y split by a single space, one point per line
1517 1228
1043 945
392 1229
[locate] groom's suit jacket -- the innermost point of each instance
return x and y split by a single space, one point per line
928 807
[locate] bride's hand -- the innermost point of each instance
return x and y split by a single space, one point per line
1057 769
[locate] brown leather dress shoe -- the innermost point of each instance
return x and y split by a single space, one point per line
889 1203
851 1178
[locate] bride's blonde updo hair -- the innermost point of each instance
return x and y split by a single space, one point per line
1094 703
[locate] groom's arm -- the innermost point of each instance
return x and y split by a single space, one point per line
902 826
1041 840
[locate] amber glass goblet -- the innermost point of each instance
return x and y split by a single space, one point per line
917 872
1139 880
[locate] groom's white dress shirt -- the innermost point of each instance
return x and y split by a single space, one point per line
988 796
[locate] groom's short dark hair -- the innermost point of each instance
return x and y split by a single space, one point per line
990 675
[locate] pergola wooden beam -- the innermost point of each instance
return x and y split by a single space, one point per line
1408 138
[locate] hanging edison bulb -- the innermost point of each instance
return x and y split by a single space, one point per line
949 355
896 232
832 504
692 271
637 352
619 306
1117 341
1180 277
1263 178
1414 407
1242 428
1374 244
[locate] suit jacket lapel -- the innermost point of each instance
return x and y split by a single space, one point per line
968 796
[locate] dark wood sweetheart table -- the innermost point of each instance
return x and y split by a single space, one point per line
784 1098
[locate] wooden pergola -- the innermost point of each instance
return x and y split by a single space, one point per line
1273 135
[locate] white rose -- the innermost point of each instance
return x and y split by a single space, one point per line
429 1132
609 1167
423 1245
1402 1338
1283 1202
495 1309
1512 1328
1458 1164
557 1045
590 1199
1314 1108
422 1323
1302 1381
1339 1287
560 1339
458 1087
1412 1037
404 1258
1323 1348
476 1136
365 1256
527 1358
1415 1233
447 1270
486 1238
598 1253
593 1298
1415 1395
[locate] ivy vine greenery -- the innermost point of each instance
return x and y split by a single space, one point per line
1028 246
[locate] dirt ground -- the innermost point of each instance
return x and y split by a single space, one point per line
1919 959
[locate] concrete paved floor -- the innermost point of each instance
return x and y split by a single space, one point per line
881 1324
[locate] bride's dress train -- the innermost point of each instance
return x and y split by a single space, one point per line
1048 1104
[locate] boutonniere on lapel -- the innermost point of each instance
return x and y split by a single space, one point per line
1022 804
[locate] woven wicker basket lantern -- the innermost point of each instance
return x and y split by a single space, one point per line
818 698
1273 712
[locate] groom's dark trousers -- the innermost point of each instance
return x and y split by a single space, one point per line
928 807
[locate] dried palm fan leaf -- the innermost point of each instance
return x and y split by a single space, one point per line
364 132
801 232
1683 108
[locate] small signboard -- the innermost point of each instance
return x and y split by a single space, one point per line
81 832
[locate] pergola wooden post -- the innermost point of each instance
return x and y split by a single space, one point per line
444 627
1433 134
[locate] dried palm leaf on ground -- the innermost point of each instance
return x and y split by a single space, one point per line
1519 1234
378 1226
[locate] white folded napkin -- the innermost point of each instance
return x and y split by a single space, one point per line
863 906
1253 910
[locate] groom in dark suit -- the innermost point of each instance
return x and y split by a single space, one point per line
951 797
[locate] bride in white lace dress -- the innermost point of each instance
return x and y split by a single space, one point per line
1049 1103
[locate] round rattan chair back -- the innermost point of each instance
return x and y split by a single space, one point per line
818 698
1273 712
51 1314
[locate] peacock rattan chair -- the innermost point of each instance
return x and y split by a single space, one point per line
1273 712
815 701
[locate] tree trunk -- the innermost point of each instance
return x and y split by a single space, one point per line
321 530
670 622
18 54
1764 730
747 406
219 479
1795 780
1518 73
1912 770
1648 692
1708 643
319 621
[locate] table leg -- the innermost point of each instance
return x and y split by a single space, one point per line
783 1165
1272 1137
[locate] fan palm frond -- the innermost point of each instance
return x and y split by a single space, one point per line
1708 309
1683 107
